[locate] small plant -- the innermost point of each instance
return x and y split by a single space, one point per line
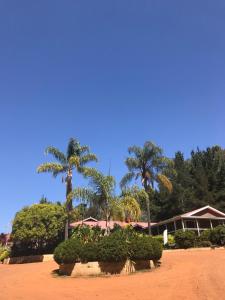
171 240
4 252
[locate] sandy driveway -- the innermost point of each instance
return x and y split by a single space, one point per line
183 275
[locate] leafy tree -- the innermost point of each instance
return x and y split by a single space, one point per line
38 229
148 164
76 158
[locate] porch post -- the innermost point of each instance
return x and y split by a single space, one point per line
182 221
211 225
197 227
175 226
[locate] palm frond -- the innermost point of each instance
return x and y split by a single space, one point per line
137 151
56 153
165 182
53 168
126 179
131 208
83 194
74 160
132 163
84 149
116 210
91 172
88 158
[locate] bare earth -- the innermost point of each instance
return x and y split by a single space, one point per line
192 275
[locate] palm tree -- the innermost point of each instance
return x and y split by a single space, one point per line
100 193
76 158
147 163
131 208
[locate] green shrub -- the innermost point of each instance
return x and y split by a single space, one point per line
201 243
4 252
159 238
145 248
117 247
140 248
113 248
68 252
87 234
205 235
217 235
185 239
171 239
89 252
157 250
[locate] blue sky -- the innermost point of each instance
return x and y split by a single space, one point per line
112 74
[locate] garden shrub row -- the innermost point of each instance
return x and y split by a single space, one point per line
112 248
209 237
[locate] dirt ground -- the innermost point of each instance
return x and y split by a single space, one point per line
192 275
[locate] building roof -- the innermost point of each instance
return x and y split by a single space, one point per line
92 222
205 212
199 211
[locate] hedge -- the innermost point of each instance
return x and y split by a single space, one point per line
209 237
112 248
185 239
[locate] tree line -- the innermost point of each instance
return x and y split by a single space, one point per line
154 188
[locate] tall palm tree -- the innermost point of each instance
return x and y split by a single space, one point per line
76 158
148 164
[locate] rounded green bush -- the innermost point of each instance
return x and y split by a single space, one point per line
185 239
89 252
141 248
68 252
217 235
205 235
4 252
157 250
145 248
113 248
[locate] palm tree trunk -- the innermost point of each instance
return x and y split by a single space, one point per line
148 208
69 205
107 217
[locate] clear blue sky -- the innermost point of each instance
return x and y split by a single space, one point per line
112 74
